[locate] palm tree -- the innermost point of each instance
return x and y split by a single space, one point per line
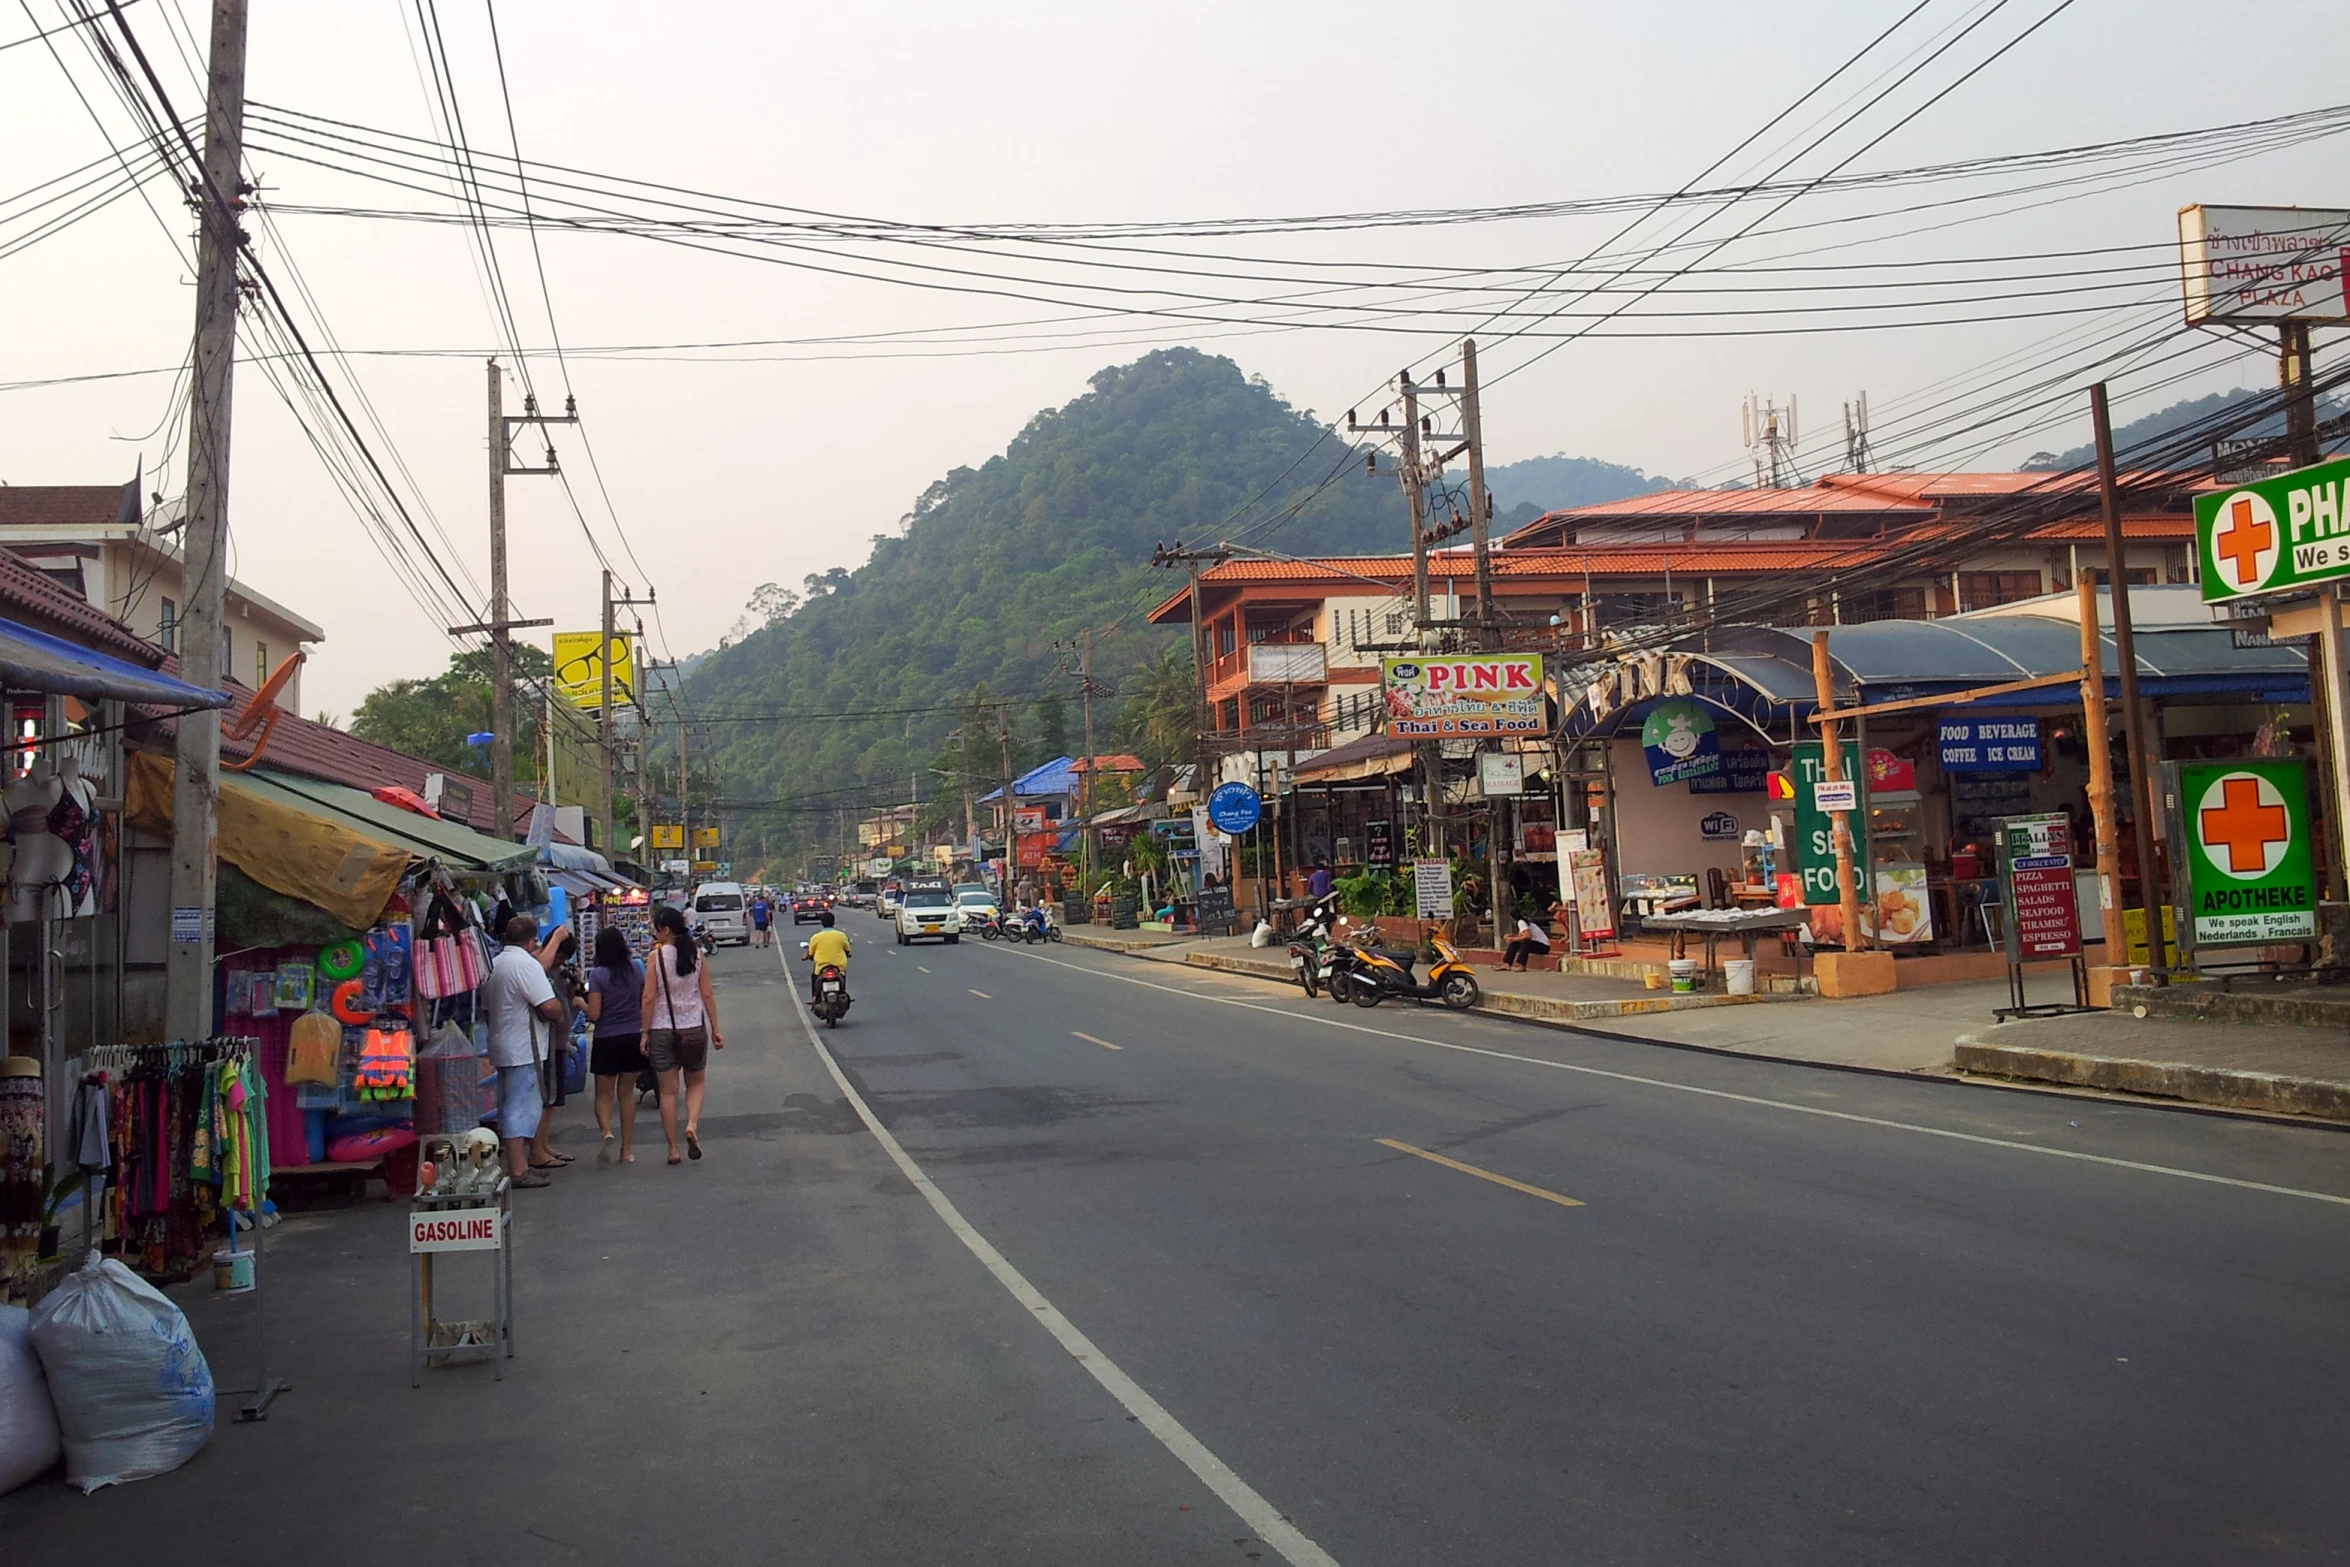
1162 718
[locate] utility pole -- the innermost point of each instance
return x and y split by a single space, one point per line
1085 785
685 811
195 790
2329 685
1011 822
501 626
607 731
1488 629
2142 790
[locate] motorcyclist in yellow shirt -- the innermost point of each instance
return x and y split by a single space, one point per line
827 946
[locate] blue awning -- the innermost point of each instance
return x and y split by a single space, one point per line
36 661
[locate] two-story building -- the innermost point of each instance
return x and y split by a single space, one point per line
99 542
1292 647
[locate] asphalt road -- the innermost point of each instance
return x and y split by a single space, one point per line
1790 1316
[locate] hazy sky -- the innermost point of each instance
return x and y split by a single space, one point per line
774 463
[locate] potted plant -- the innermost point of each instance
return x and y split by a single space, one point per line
59 1189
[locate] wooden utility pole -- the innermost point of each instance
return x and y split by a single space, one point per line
1011 821
1085 784
604 718
2142 789
685 811
501 625
1488 629
1832 769
2329 686
195 791
2093 730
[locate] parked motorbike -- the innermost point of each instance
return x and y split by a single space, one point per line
1037 926
1382 974
989 926
704 940
1310 948
832 994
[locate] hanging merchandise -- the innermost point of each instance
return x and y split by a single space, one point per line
133 1392
315 1053
28 1421
189 1132
449 959
342 960
349 1004
261 990
296 981
385 1064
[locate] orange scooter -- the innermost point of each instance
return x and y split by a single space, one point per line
1378 975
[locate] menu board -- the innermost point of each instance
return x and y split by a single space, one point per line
2044 920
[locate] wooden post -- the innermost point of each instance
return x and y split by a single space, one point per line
2100 745
1832 768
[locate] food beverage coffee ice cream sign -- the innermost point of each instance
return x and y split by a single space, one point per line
1459 698
2287 532
2250 875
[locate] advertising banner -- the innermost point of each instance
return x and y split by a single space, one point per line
669 835
1815 841
2250 876
2263 263
1432 889
1595 911
1472 697
2045 915
2285 532
1500 773
1986 743
579 668
1743 772
1681 743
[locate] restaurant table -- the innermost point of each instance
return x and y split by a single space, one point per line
1713 924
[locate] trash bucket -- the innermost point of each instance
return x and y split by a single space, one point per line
1684 972
1738 976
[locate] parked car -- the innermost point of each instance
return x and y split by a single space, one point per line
721 909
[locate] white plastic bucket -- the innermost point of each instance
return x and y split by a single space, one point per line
232 1271
1738 976
1684 972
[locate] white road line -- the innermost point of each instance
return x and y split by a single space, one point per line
1717 1093
1260 1516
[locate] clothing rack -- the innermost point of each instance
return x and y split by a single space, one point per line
206 1052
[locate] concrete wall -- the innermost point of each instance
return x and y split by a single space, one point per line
1657 829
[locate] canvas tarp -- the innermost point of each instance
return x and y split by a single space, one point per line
284 842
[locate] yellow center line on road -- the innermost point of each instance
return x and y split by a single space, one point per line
1560 1198
983 995
1089 1039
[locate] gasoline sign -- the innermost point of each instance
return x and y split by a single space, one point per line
2250 874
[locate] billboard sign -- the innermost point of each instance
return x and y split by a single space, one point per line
1985 744
1743 772
1815 829
1681 743
2251 878
668 835
1472 697
2246 264
2265 537
579 671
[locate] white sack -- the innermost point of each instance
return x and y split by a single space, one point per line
28 1421
133 1394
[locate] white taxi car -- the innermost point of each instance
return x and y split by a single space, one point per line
927 912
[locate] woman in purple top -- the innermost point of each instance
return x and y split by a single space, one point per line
615 1002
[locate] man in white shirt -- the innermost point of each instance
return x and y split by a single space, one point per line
515 998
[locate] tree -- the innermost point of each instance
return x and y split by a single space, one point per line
431 718
1052 725
1161 719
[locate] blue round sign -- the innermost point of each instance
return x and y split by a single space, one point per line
1234 807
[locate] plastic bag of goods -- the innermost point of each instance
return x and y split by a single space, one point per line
133 1394
28 1421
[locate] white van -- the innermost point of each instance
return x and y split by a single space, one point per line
721 909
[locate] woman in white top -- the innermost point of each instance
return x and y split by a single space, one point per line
681 1024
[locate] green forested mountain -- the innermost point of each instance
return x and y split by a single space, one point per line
2163 421
848 692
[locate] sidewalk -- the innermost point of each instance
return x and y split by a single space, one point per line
2278 1068
1938 1030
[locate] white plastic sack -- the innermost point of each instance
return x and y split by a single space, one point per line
28 1421
133 1394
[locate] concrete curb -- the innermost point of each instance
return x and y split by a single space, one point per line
2235 1089
1129 941
1497 1004
2210 1004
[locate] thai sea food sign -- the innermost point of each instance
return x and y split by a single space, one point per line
1464 698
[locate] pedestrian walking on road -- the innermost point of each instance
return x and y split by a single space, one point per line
615 1004
681 1025
517 998
762 913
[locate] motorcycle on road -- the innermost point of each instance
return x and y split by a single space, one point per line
832 994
